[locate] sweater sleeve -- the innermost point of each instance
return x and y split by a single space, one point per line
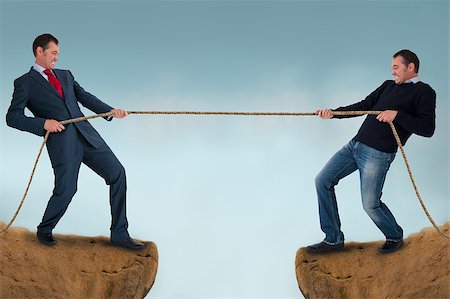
364 105
424 122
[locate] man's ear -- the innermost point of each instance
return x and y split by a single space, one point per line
39 50
411 67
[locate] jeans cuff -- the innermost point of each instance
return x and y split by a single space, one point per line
333 243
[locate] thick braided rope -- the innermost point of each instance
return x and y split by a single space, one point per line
252 113
397 138
343 113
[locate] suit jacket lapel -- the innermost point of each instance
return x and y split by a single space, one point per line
41 80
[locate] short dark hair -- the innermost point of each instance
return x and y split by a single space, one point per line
42 41
409 57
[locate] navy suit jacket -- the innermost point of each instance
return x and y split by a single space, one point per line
32 91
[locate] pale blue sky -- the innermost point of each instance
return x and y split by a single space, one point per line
228 200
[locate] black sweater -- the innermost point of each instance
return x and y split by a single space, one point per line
415 103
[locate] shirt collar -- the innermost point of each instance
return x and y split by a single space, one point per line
38 68
413 80
41 70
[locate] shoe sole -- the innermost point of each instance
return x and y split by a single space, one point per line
330 249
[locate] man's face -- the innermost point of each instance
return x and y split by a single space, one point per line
402 72
48 57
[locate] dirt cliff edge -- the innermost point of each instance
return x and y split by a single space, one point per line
418 270
76 267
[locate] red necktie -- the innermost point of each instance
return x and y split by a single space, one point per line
54 81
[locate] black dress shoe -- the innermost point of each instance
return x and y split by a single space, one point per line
324 247
129 243
46 238
390 246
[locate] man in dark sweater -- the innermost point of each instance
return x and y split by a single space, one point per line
407 103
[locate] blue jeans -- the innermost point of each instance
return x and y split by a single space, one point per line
373 166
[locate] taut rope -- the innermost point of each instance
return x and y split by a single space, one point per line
349 113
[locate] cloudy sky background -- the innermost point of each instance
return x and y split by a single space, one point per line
227 199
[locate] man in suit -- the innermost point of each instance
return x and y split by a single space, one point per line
52 95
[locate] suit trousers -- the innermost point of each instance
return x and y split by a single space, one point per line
103 162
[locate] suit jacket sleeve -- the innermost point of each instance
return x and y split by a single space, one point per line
16 117
88 100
